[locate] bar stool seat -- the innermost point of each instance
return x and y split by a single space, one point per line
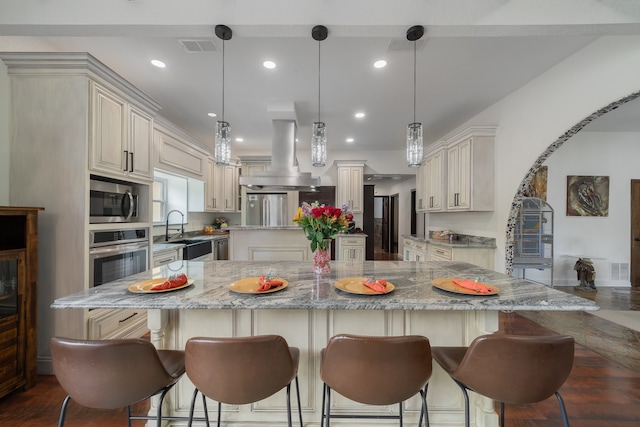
515 369
375 371
241 370
109 374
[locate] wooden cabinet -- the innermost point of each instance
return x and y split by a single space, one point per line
470 171
351 247
166 257
18 298
121 324
221 187
480 256
122 136
350 182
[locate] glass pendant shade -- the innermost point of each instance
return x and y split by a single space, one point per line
319 144
414 144
222 149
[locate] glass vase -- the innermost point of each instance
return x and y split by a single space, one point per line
322 261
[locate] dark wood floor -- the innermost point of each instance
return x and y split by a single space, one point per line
600 392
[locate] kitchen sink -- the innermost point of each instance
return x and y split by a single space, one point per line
194 248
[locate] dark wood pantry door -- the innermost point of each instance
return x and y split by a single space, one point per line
635 232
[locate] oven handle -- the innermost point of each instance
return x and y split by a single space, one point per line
102 251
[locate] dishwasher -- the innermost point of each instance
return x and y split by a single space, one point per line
221 249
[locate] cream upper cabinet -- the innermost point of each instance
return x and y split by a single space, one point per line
470 171
434 173
221 187
121 138
421 188
350 182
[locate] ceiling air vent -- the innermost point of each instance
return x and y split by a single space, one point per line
196 46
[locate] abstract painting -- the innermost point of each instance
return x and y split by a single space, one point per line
587 195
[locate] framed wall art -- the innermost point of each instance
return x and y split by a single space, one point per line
587 195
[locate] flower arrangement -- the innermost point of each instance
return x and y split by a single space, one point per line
321 222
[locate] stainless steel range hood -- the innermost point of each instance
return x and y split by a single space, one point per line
284 173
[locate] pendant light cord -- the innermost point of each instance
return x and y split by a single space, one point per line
318 80
414 81
223 80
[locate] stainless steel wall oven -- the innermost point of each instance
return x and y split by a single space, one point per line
116 254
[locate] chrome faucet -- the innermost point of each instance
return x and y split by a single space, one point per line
181 229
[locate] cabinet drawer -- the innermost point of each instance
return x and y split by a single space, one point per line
421 246
165 258
352 241
109 324
439 252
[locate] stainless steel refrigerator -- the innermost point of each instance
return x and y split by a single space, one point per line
268 209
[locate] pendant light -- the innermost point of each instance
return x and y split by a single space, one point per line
414 130
222 148
319 133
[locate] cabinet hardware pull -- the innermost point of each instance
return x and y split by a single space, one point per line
164 261
131 154
127 318
126 160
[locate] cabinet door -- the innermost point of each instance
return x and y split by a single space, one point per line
464 175
108 143
356 190
140 162
349 191
209 187
433 173
229 188
421 184
459 176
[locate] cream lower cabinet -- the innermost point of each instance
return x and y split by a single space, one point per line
482 257
309 330
166 257
110 324
351 248
121 141
415 250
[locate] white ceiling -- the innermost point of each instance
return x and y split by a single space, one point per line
474 53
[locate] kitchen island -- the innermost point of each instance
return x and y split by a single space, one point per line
311 309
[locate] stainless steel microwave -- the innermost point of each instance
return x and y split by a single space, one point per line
112 202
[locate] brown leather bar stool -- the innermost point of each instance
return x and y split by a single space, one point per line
516 369
375 371
109 374
241 370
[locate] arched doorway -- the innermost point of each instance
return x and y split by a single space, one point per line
517 199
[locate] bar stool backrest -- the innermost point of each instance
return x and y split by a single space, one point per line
376 370
239 370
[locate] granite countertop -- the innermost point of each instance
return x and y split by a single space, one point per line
412 280
262 227
461 242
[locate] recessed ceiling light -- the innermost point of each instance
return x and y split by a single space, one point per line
359 115
380 63
157 63
239 139
212 114
349 139
269 65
